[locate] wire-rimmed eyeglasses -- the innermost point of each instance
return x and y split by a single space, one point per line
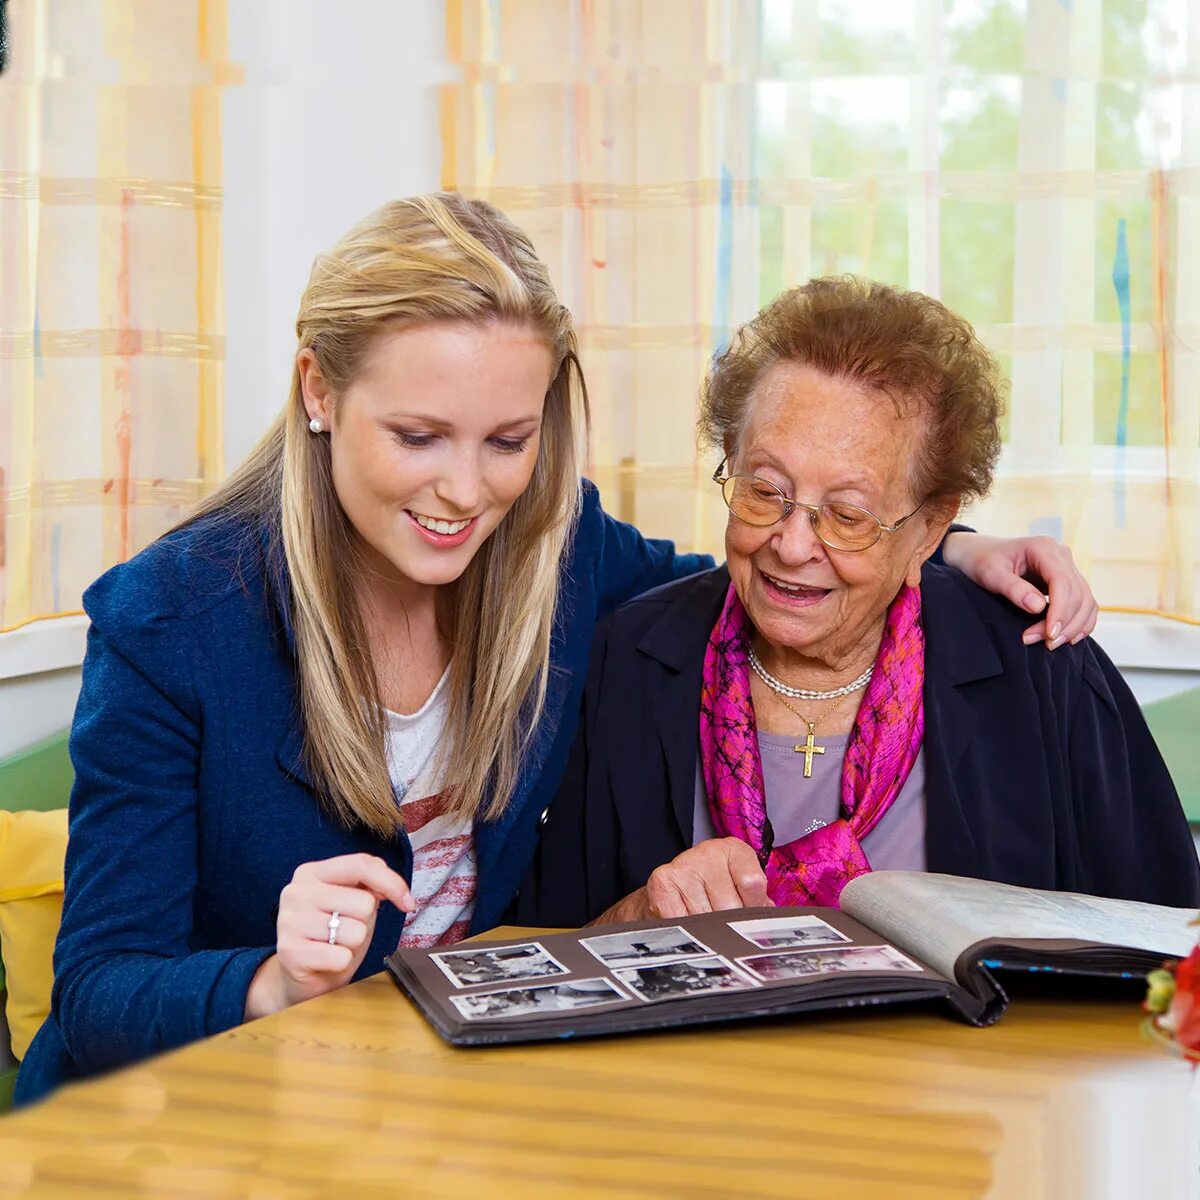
757 501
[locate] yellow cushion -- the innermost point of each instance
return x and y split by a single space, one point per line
32 848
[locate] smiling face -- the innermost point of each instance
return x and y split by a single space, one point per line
433 441
820 438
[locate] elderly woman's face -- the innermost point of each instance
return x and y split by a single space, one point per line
821 438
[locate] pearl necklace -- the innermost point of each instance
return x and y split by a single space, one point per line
777 685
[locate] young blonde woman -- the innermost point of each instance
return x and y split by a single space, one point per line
353 676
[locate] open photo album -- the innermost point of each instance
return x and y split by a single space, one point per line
899 936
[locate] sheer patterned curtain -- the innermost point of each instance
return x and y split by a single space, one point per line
1034 164
110 315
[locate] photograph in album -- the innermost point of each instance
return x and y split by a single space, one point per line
800 965
529 960
639 946
691 977
782 933
541 998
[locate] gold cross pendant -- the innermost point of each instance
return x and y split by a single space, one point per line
808 750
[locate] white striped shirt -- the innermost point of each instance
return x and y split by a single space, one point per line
443 881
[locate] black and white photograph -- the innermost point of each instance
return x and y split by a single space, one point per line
676 980
800 964
787 933
638 946
505 964
540 998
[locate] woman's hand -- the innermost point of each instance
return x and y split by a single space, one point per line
305 963
714 875
1004 566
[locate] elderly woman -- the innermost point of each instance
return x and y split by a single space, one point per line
831 701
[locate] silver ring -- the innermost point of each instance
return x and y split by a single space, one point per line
335 922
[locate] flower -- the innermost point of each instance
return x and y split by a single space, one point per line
1173 1002
1185 1006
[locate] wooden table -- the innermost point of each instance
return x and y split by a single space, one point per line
352 1094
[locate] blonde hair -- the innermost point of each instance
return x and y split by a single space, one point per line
424 259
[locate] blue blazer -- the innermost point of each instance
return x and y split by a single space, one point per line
1039 767
191 807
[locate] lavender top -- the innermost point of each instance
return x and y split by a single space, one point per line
797 806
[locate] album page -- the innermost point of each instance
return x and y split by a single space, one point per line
959 925
652 974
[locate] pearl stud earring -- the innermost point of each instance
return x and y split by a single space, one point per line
317 425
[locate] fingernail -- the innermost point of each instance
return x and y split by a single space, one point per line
1030 636
1054 645
1056 630
1034 602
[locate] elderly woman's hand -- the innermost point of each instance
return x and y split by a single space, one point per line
713 875
1005 565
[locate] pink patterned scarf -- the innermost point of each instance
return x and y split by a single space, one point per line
883 746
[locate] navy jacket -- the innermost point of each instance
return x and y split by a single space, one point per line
191 808
1040 769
